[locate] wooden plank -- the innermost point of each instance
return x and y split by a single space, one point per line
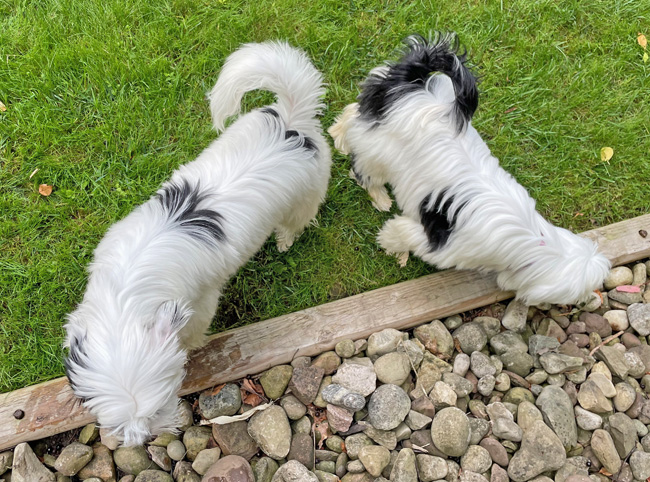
51 408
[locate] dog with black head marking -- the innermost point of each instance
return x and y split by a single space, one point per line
411 128
157 275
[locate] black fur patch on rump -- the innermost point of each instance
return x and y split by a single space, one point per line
180 201
438 223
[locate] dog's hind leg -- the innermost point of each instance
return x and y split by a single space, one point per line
296 221
401 235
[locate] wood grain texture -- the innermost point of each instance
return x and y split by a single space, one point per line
51 408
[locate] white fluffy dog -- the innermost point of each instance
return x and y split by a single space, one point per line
157 274
411 128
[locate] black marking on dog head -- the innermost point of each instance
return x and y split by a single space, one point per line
436 219
421 59
76 359
181 200
306 143
271 111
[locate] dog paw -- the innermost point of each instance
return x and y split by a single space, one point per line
402 258
381 201
283 246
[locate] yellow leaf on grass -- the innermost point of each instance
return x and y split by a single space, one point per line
606 154
643 42
2 107
45 189
645 56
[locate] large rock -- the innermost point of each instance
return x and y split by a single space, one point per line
450 431
604 449
276 380
132 460
541 451
404 468
592 399
151 475
233 438
436 338
294 471
357 375
224 402
195 439
374 459
639 317
101 465
388 407
623 432
231 468
393 368
27 468
557 410
515 315
471 337
271 430
305 383
73 458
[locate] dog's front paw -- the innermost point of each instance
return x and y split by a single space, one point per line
381 200
284 245
402 258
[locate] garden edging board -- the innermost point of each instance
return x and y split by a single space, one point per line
50 407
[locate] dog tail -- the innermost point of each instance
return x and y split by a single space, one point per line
415 71
274 66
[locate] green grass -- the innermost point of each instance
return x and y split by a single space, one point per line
106 97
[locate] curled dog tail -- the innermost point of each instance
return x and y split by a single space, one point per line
274 66
415 71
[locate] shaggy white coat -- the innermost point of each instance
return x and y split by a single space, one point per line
155 282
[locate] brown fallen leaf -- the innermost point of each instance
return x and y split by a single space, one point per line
2 107
606 153
45 189
508 111
252 399
320 424
217 389
642 40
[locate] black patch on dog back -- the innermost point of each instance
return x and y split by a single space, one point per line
307 143
180 201
436 220
421 59
271 111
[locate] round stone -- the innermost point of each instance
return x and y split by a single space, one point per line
476 459
225 401
393 368
231 468
132 460
471 337
450 431
73 458
275 381
345 348
176 450
388 407
271 430
153 476
374 459
621 275
617 319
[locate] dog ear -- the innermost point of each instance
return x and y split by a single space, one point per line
171 317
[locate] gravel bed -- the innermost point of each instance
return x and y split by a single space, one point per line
508 392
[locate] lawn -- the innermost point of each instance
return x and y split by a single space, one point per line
104 98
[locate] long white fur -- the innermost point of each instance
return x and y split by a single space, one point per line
153 290
417 150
